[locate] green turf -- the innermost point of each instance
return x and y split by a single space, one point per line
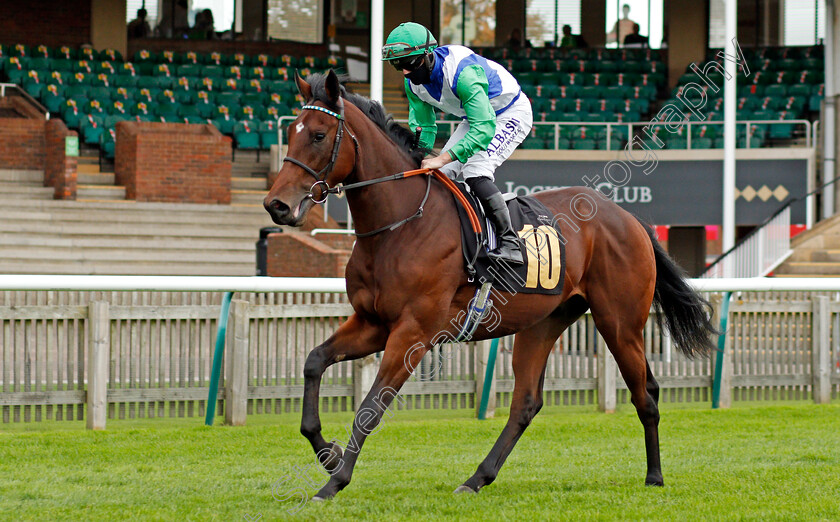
754 462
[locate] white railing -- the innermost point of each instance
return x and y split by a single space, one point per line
105 283
624 130
759 253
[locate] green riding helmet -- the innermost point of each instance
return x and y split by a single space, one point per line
407 41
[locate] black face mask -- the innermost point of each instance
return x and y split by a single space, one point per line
423 73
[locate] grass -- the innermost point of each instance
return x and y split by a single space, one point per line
753 462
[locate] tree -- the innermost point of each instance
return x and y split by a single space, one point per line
538 26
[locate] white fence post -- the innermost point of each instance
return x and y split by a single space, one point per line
236 374
482 352
821 350
99 345
606 377
364 372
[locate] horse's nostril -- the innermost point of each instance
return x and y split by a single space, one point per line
277 208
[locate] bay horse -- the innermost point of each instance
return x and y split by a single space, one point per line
406 279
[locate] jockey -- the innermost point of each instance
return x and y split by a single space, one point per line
496 116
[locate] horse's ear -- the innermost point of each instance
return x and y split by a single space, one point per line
332 86
304 88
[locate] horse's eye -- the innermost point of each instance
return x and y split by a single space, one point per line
319 136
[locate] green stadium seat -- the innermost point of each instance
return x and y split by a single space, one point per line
232 84
262 60
754 143
19 50
34 84
120 107
800 90
64 53
268 134
71 113
167 109
143 55
776 91
107 143
702 143
676 143
91 128
225 125
142 108
533 144
101 93
96 108
584 144
52 97
246 135
110 55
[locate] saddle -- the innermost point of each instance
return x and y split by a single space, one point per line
543 246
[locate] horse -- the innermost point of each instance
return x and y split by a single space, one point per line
406 279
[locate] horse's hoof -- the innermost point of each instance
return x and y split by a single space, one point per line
334 457
463 488
654 481
316 498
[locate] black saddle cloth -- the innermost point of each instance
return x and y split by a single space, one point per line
544 271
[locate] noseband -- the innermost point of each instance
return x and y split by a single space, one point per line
321 176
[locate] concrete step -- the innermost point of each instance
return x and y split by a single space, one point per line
47 217
123 206
809 268
87 159
147 255
139 230
22 176
95 178
100 192
245 244
248 197
26 191
825 256
87 168
85 267
246 183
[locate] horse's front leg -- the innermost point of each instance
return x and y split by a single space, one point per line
354 339
402 354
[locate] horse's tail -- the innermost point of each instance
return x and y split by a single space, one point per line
679 307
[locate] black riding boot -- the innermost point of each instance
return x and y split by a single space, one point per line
494 206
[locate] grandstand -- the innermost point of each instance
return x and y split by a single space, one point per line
588 103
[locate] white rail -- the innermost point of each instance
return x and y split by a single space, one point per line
759 254
307 284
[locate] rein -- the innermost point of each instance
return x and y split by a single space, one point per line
326 190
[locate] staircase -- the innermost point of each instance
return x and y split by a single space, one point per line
816 252
100 235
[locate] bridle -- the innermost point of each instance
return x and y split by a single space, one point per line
321 176
326 190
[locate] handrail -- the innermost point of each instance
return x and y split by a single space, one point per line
92 283
630 128
25 95
762 225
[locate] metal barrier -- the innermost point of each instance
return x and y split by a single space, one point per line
758 254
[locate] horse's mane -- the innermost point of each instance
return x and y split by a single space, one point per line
401 136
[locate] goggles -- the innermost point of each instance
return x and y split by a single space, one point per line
409 63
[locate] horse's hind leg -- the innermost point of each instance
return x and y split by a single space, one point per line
354 339
624 339
530 354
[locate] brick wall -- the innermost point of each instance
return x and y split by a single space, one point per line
49 22
21 138
173 162
299 255
61 170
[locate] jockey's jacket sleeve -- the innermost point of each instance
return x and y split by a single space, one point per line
421 114
472 91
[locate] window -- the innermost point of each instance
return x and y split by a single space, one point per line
151 6
468 22
297 20
545 20
222 12
649 14
803 22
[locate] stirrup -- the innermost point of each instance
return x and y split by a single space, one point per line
508 256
